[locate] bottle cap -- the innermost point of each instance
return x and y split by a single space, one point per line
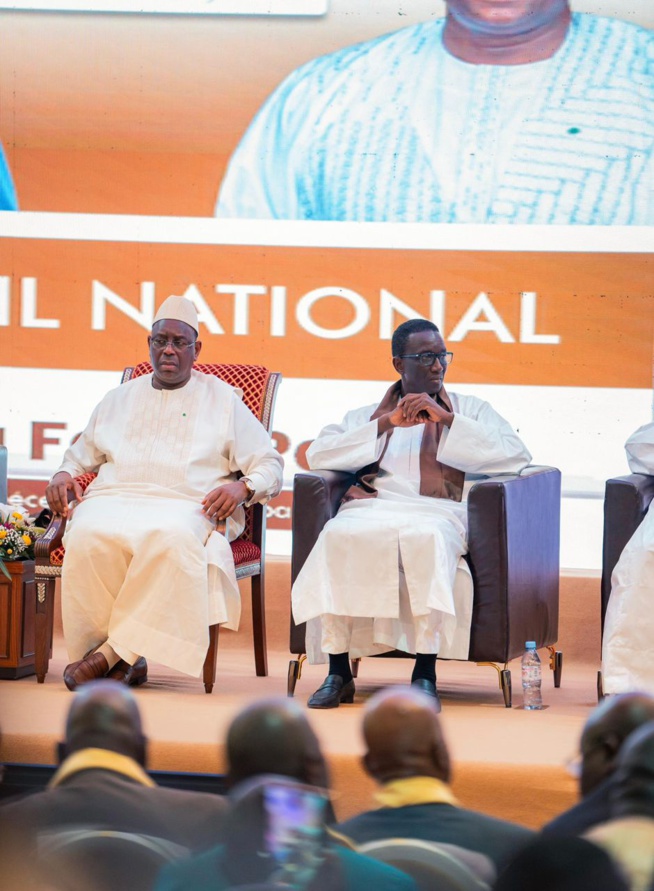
530 645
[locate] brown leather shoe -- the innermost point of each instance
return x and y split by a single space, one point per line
88 669
132 675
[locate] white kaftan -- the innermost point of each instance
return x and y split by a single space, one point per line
627 650
382 573
145 569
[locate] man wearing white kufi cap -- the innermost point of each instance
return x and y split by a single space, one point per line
146 571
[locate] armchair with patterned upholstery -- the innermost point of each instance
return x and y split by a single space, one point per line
259 388
513 541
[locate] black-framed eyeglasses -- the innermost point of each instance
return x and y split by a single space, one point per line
428 359
177 343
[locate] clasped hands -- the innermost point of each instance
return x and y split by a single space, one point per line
413 409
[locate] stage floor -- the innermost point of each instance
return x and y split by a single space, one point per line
507 762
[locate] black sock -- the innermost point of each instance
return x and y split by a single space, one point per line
425 667
339 663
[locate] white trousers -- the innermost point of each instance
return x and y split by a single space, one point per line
627 650
136 575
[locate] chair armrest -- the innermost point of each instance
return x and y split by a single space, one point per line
316 498
50 540
53 535
626 501
514 537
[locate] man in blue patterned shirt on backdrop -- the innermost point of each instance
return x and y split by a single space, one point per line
506 111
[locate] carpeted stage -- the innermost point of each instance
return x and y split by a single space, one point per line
507 762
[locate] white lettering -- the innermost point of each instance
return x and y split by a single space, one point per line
437 309
528 305
278 311
241 303
205 314
5 298
361 313
388 305
101 295
28 308
471 321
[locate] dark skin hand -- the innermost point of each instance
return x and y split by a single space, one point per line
413 409
221 502
57 491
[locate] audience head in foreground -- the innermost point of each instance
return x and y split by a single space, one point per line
605 732
102 819
628 835
274 830
274 737
561 864
407 755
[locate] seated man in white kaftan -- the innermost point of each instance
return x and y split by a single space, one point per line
627 651
517 112
146 570
382 573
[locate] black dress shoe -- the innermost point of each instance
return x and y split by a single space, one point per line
332 692
132 675
429 688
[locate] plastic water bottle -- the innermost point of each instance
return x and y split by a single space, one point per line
531 677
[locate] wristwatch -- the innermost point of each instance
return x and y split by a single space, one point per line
249 485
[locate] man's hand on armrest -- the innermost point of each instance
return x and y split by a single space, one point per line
57 491
221 503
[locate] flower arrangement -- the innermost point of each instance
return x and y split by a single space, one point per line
17 536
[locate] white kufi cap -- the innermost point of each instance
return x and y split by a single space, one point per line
180 309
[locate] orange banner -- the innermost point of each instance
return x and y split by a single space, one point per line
554 319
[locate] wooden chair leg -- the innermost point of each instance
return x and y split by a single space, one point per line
209 670
259 624
43 626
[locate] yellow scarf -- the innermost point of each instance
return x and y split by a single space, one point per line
100 759
415 790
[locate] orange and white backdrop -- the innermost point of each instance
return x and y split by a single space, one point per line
117 128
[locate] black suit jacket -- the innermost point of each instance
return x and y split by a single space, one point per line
497 839
103 799
592 810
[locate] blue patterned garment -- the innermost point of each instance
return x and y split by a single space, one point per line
361 134
7 193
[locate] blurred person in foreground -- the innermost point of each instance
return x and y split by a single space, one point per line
505 111
629 835
387 572
101 784
561 864
604 733
406 754
147 570
273 752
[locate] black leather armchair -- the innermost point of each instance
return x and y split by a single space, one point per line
514 532
626 501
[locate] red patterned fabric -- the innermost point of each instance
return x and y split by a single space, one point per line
245 552
251 379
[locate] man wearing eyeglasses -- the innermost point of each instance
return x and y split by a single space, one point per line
146 571
387 572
